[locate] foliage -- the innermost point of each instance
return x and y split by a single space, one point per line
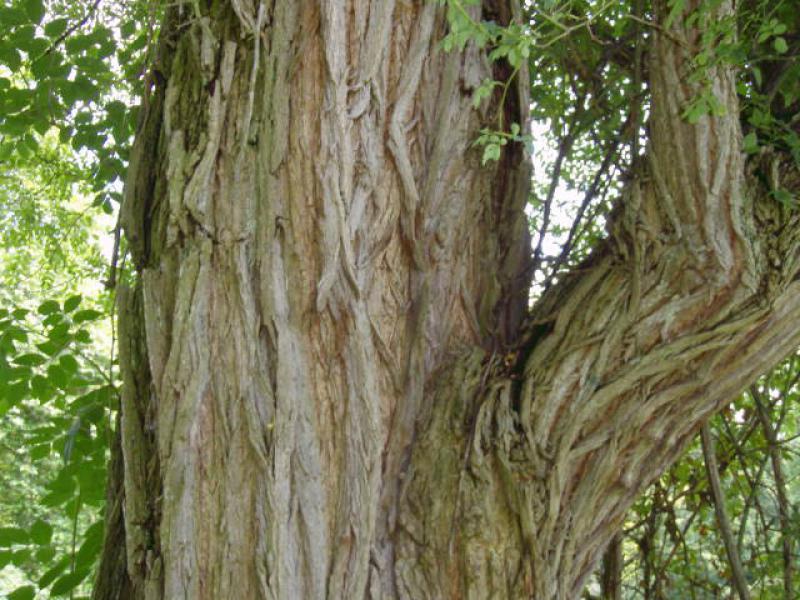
67 68
64 132
47 233
60 400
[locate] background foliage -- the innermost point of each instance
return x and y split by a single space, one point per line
69 77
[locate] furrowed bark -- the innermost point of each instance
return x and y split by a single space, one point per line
692 295
315 238
331 390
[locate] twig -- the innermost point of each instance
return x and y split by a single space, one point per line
111 282
563 150
587 199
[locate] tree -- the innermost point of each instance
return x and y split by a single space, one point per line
333 386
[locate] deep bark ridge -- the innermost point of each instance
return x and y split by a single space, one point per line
318 399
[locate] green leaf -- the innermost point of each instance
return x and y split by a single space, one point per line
17 373
784 197
45 554
5 558
750 142
66 583
696 111
56 498
26 592
90 549
16 333
86 315
48 307
780 45
10 56
59 333
72 303
30 360
35 10
41 389
56 27
41 532
23 36
64 482
757 76
50 575
69 363
15 393
12 535
128 28
50 348
78 43
490 152
53 319
16 99
20 557
40 451
12 16
57 377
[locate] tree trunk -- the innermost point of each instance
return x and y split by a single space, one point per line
332 387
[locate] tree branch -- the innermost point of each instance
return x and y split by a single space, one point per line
685 304
726 532
773 450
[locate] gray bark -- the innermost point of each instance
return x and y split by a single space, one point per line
319 401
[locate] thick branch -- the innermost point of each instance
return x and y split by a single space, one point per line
686 303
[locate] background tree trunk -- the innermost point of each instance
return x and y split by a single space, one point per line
613 563
329 391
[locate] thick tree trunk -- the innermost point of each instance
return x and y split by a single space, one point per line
330 391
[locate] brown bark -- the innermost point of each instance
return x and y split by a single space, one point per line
613 561
330 289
